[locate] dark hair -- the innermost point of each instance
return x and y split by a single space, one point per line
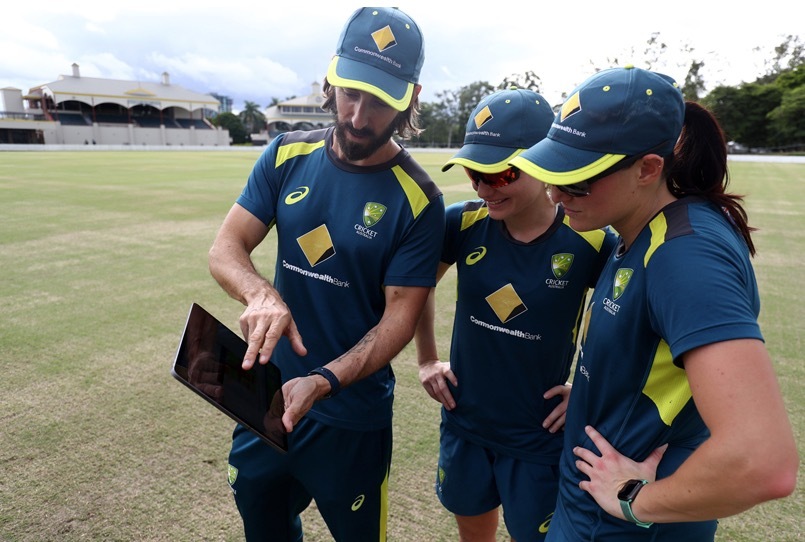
698 167
407 122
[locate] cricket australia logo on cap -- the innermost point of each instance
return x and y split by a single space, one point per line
384 38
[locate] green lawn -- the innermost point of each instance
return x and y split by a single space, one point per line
101 255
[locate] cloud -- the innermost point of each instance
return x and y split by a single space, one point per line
258 76
256 50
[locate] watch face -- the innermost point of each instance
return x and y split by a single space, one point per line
630 490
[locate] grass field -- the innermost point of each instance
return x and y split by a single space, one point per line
101 255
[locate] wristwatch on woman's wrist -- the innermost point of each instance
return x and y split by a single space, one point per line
627 495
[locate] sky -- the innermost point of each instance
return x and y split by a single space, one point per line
258 51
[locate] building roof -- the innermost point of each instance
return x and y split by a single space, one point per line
300 109
94 91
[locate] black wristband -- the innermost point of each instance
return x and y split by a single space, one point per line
335 385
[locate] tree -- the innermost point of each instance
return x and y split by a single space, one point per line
232 122
467 98
434 124
528 80
742 111
253 119
787 56
654 56
787 121
440 119
652 53
444 121
791 79
694 84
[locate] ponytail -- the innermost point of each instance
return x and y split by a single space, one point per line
699 168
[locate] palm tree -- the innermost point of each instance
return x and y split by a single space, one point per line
253 119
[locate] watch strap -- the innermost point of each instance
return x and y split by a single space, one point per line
335 385
626 508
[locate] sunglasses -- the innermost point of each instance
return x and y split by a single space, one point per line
582 189
495 180
576 190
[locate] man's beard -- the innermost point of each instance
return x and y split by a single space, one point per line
355 151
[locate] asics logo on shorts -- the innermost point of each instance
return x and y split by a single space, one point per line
543 528
358 502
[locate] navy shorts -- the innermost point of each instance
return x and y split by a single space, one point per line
346 472
472 480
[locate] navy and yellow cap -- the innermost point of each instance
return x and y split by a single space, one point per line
381 52
615 113
500 127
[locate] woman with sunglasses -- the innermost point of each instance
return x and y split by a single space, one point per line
523 274
676 418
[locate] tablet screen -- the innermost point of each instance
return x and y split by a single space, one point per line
208 361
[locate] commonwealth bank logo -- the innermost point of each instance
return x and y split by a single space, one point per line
571 106
560 264
317 245
622 278
483 116
384 38
506 304
372 213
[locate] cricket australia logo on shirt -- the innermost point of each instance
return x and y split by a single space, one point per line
560 265
372 213
622 278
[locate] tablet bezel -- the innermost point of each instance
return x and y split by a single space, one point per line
241 395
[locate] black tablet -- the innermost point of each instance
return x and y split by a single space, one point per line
208 362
